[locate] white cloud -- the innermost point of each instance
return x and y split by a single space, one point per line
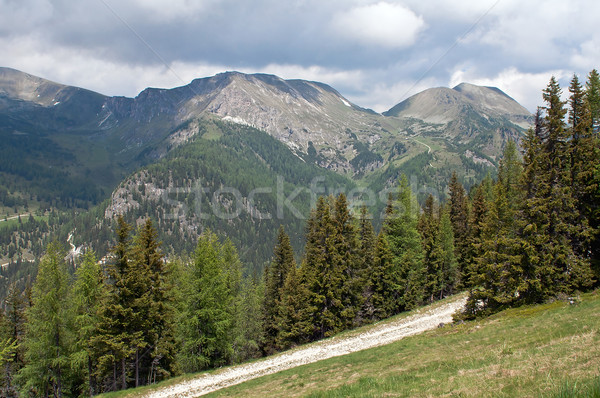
382 24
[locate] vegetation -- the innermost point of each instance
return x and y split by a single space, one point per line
525 238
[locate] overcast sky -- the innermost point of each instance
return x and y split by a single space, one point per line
375 53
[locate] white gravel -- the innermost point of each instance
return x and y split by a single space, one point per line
380 334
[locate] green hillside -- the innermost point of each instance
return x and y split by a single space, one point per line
549 350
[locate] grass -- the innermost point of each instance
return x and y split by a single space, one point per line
550 350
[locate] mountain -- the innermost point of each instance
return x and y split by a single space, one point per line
68 148
467 115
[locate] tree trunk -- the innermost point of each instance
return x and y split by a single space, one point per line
123 374
137 367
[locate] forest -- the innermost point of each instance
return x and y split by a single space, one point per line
136 318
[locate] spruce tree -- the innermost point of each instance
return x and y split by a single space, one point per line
444 257
275 276
428 228
155 353
366 262
119 333
295 323
592 99
347 249
459 215
323 275
382 279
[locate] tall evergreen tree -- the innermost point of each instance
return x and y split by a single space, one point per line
206 320
347 248
119 333
49 337
592 99
87 293
155 353
295 326
428 228
322 274
366 263
15 304
275 277
405 245
459 215
443 257
382 280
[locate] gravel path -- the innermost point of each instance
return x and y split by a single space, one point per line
384 333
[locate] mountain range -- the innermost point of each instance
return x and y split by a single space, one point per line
66 148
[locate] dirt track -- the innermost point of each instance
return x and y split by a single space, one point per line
381 334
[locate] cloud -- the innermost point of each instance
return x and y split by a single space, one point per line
382 24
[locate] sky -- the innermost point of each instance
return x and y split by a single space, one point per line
375 53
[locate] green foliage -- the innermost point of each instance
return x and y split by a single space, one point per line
49 335
206 319
400 227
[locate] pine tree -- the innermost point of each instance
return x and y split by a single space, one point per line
275 276
49 336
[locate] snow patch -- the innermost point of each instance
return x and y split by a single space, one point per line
346 103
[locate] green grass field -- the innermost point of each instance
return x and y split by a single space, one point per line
550 350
